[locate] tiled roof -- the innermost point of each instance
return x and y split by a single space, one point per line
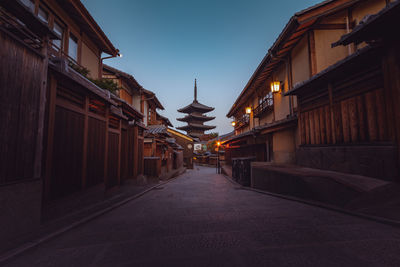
196 106
156 129
390 13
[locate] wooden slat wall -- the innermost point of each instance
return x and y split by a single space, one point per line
112 169
131 152
95 151
67 152
140 155
124 155
355 112
20 84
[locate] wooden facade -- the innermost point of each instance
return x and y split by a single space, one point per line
332 115
350 110
61 133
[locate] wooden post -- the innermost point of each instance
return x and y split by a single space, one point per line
50 135
345 121
328 124
312 53
371 116
119 152
37 172
307 126
353 117
391 77
317 129
85 139
333 128
106 148
135 151
322 122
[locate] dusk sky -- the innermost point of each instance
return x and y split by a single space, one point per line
167 44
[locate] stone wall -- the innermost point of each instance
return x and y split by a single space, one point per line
372 160
20 210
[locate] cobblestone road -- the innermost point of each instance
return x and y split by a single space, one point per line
201 219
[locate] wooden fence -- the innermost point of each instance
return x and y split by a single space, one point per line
347 111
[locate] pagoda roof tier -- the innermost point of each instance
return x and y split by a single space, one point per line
195 126
196 135
192 116
196 107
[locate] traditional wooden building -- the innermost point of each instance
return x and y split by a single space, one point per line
64 133
187 143
195 119
162 153
129 89
264 117
349 113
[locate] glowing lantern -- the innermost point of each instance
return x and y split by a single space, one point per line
248 110
275 87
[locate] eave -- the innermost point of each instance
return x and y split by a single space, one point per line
374 27
78 12
295 29
196 127
347 65
192 117
196 107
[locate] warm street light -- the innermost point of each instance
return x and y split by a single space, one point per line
233 123
218 143
275 87
248 110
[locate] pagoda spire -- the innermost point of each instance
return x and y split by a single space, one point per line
195 90
195 119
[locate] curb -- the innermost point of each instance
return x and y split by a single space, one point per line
319 204
32 244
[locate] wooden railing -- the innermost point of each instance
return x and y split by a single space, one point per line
265 106
19 31
242 121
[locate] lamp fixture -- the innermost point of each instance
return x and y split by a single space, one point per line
275 86
233 123
248 110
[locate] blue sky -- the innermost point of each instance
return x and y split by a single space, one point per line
167 44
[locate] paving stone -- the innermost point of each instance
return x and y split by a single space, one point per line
201 219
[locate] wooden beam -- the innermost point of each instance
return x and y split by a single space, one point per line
119 152
85 140
37 167
50 135
312 54
332 114
106 147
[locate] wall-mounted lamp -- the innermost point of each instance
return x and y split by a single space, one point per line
218 143
233 123
275 86
248 110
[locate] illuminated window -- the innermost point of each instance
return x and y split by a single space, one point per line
43 15
60 33
149 118
29 4
73 47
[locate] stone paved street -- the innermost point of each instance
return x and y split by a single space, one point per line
201 219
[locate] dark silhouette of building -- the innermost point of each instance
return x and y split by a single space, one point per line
195 119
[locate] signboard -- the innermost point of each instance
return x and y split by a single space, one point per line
197 147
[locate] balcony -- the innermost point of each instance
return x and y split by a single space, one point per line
267 105
18 30
242 121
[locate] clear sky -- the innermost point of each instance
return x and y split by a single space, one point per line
166 44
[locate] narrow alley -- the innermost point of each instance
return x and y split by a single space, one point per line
202 219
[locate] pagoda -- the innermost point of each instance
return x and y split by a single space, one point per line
195 119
